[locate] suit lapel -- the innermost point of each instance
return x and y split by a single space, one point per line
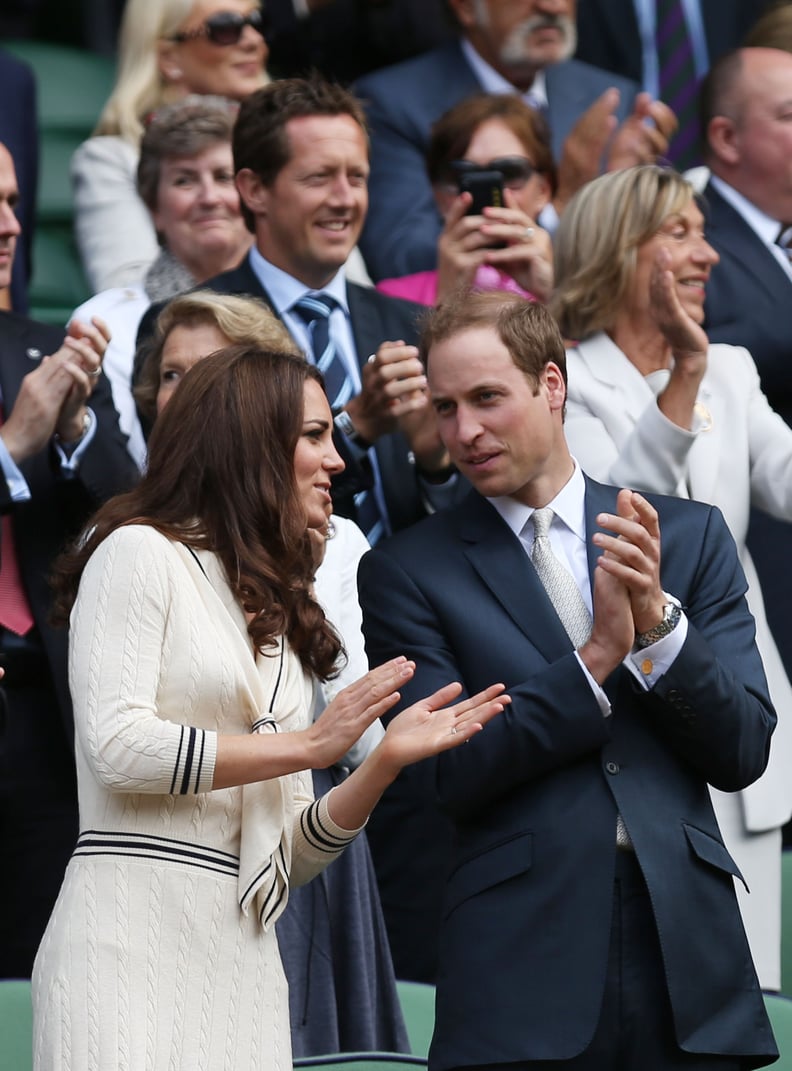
365 321
500 560
745 247
606 363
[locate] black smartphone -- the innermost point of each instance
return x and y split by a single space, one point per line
487 189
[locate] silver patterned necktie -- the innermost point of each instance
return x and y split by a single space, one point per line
558 581
565 596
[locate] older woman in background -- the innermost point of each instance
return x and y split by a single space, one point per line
167 50
186 181
652 405
333 943
505 249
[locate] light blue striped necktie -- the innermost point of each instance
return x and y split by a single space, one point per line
315 310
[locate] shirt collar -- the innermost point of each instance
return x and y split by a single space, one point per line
493 82
569 506
284 290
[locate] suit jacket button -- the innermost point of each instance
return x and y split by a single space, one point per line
612 767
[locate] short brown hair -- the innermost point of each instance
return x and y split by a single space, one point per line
525 328
260 141
453 133
182 129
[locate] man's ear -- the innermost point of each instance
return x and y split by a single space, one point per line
252 191
553 380
724 140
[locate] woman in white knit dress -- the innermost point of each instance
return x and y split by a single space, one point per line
194 651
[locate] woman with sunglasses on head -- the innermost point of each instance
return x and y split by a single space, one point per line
504 248
167 50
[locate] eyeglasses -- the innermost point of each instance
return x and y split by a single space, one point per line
224 28
516 170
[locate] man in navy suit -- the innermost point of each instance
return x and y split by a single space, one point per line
61 455
19 133
589 919
301 156
517 47
744 106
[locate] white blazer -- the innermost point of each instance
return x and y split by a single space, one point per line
739 454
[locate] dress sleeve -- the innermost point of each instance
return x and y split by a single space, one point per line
117 647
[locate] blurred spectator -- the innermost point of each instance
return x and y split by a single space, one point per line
488 132
186 181
167 50
503 48
61 455
19 133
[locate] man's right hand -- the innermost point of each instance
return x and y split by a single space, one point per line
59 384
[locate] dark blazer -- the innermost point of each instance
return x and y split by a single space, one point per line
402 102
747 304
58 507
534 799
748 300
19 134
608 31
375 318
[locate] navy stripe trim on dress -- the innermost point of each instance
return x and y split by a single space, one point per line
164 849
320 837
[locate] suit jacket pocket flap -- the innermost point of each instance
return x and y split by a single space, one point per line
712 851
491 867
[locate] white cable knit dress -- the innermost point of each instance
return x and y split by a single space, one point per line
160 954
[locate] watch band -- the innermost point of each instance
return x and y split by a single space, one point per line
344 424
672 612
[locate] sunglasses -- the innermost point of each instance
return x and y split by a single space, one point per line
224 28
516 170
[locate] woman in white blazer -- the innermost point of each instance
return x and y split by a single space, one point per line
652 405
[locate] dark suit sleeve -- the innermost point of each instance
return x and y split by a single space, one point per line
712 705
106 466
403 222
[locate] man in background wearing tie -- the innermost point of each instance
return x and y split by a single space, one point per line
589 919
301 157
667 46
746 109
504 46
61 455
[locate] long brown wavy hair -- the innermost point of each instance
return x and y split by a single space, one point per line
220 476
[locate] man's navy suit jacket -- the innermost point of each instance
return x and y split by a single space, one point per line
402 102
533 800
748 299
58 507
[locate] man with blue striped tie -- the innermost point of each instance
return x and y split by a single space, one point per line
301 157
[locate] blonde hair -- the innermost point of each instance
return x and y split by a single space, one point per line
597 240
243 320
139 87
